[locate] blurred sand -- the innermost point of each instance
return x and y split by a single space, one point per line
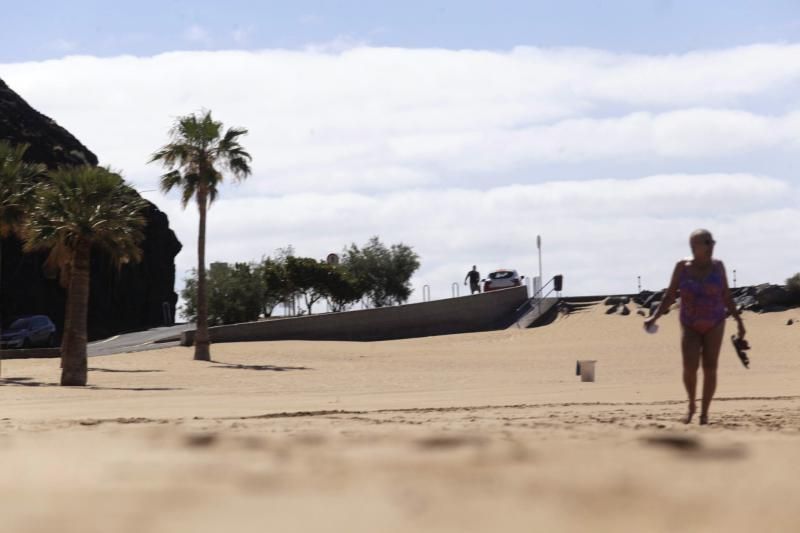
476 432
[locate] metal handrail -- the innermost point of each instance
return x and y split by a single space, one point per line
529 300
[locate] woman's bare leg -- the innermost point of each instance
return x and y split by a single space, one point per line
712 342
691 345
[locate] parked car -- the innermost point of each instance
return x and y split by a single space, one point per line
29 332
502 279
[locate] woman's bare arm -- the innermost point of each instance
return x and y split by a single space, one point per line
670 295
729 303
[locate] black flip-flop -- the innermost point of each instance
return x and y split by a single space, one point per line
741 346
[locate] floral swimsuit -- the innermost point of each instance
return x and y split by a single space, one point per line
702 301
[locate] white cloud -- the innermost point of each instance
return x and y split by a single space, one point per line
340 43
686 79
377 118
601 233
466 155
690 133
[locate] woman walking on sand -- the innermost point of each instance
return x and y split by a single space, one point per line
705 302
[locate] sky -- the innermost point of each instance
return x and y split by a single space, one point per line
463 129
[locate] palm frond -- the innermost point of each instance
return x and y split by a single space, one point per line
197 152
18 182
86 204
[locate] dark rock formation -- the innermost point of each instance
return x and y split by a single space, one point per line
49 143
771 295
126 299
765 298
616 300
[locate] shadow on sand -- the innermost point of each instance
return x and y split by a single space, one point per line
29 382
691 446
273 368
113 370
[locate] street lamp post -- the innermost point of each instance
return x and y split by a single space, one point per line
539 247
538 289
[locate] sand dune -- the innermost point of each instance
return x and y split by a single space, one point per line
476 432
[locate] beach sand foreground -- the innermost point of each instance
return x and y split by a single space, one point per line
476 432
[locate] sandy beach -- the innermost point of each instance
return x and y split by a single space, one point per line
476 432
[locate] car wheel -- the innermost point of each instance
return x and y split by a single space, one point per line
51 341
26 344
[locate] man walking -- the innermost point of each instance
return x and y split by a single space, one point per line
474 278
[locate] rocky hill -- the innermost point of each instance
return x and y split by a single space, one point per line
132 298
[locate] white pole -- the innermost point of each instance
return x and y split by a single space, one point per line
539 247
541 280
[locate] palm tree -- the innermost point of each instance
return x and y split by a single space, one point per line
18 186
194 158
79 210
18 180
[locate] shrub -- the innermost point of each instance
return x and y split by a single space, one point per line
793 286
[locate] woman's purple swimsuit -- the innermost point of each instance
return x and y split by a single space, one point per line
703 301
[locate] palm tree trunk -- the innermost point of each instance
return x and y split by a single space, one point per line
66 331
201 340
1 309
73 349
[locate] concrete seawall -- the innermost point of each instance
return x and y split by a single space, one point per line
32 353
480 312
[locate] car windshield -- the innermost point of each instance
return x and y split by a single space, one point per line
503 274
19 325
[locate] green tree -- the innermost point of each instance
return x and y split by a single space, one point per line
246 287
793 286
81 210
196 156
189 296
341 289
278 285
382 274
234 294
273 283
308 277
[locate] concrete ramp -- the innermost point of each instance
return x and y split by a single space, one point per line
480 312
531 311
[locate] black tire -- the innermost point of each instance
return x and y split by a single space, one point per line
51 341
26 343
